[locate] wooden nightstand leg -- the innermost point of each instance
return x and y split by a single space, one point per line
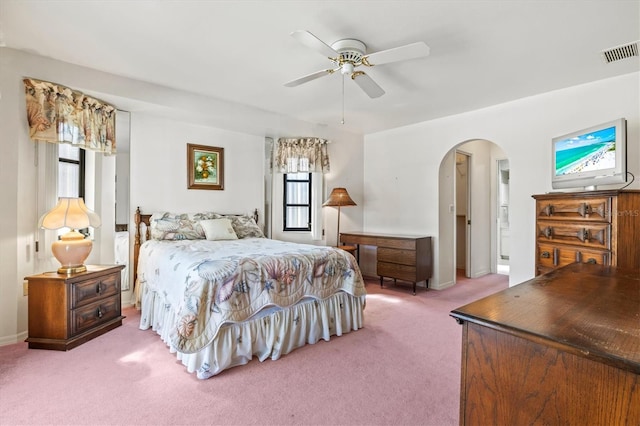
414 288
381 278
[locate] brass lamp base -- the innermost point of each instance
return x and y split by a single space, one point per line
70 270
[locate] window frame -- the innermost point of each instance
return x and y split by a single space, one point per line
81 169
308 205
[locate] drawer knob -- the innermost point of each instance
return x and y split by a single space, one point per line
99 312
592 260
99 288
545 254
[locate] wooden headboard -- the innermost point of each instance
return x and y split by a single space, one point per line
141 218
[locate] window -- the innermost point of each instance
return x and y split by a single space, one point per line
70 171
297 202
71 175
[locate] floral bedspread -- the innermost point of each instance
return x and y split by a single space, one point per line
210 283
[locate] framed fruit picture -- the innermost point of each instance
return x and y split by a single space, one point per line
205 166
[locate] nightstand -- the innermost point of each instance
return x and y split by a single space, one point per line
67 310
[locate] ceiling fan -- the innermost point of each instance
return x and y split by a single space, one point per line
349 54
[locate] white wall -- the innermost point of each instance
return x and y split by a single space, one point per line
159 167
163 121
401 166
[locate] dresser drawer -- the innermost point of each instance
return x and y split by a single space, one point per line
403 257
406 244
577 209
553 256
394 270
92 315
588 234
88 291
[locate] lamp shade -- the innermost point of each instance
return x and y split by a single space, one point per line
72 249
339 197
69 213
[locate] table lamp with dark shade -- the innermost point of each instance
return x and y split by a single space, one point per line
72 249
339 197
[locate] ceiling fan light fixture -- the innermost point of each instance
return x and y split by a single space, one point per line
347 68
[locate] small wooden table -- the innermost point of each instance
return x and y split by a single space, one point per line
350 249
563 348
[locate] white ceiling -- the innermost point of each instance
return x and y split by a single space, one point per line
482 52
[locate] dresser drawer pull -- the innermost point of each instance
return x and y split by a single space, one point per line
592 260
555 256
99 288
548 231
548 210
99 312
545 255
584 209
583 235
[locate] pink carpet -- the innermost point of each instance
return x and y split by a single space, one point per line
402 368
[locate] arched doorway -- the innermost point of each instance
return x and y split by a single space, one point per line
475 224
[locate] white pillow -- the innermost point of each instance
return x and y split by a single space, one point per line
218 229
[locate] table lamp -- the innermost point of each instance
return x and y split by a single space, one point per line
72 249
339 197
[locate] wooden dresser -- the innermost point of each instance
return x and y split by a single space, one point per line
560 349
68 310
401 257
601 227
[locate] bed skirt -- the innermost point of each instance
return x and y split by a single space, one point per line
270 334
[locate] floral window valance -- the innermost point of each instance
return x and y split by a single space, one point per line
294 155
61 115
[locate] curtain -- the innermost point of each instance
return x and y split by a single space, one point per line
59 114
293 155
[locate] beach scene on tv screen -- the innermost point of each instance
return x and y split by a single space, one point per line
591 151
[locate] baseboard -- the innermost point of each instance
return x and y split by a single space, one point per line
441 286
11 340
480 274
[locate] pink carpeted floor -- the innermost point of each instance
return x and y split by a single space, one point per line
402 368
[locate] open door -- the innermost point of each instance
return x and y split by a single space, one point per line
463 213
502 238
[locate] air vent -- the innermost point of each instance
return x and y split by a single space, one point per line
620 52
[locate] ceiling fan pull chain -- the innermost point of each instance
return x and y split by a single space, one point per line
342 122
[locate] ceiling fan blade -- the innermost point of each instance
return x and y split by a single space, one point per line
309 77
367 84
309 40
402 53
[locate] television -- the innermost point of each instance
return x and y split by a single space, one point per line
590 157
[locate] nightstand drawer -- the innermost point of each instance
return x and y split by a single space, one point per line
90 316
88 291
403 257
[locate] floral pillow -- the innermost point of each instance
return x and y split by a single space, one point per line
178 226
245 226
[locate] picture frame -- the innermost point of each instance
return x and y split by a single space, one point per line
205 167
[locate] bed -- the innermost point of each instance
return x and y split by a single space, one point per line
219 293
